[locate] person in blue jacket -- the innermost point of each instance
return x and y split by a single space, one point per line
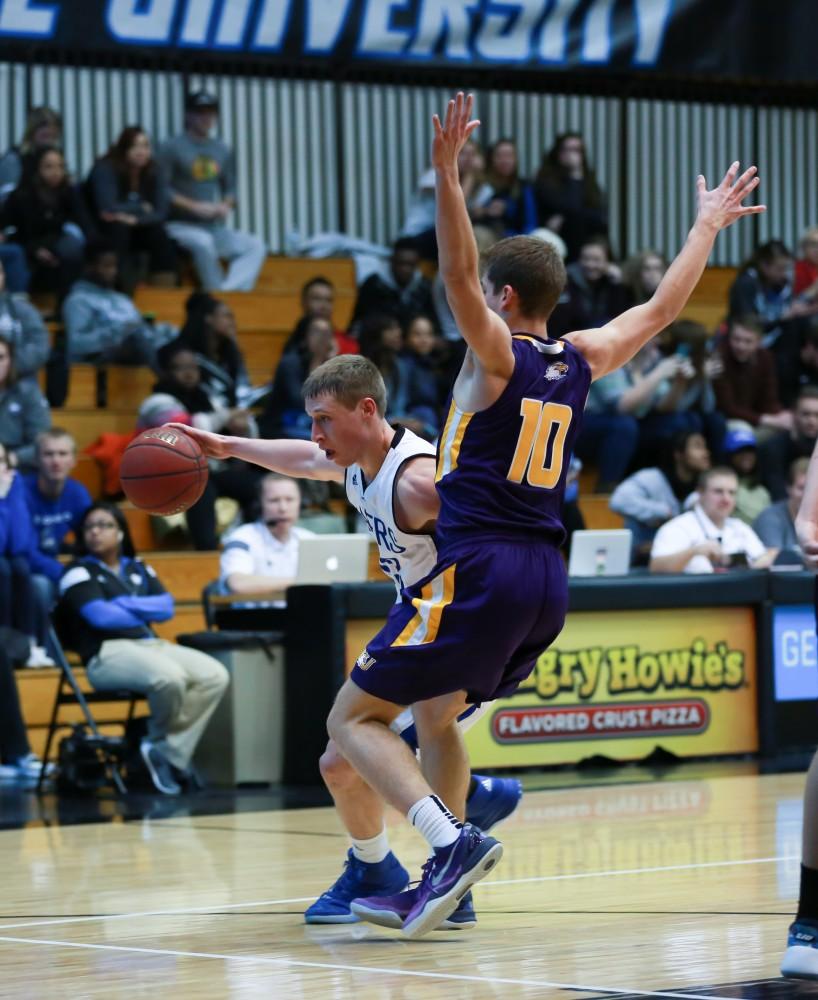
108 602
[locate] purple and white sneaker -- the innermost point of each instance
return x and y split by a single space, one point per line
391 911
453 871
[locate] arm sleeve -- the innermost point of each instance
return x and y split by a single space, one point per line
670 538
161 197
21 536
87 330
36 417
105 189
149 608
724 389
754 547
632 498
769 529
41 563
229 175
32 352
236 557
82 595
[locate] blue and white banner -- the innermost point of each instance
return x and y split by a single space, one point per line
795 653
678 38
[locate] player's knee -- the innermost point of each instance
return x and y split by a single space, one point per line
336 770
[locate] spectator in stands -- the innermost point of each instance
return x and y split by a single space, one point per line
708 539
609 433
652 496
402 294
202 176
23 325
428 362
594 293
263 555
805 280
504 204
642 273
131 199
318 302
569 199
56 503
102 325
775 525
410 402
14 264
780 450
24 410
17 762
747 388
284 414
18 604
182 382
210 332
50 221
110 599
43 128
740 451
800 370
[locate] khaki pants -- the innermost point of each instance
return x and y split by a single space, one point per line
183 687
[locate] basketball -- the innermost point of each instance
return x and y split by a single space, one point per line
163 471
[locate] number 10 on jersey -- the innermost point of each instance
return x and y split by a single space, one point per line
544 424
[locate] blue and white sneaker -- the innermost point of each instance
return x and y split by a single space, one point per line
452 872
801 957
391 911
492 801
357 879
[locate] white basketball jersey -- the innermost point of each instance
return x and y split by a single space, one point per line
405 557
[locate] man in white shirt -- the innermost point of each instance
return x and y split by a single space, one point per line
263 556
707 539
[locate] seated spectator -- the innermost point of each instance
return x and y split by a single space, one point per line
780 450
401 295
14 264
102 325
800 369
23 326
775 525
24 410
108 600
181 385
19 608
609 434
17 762
131 200
47 217
747 388
641 275
570 201
318 302
263 556
284 414
56 503
409 402
652 496
504 204
742 457
708 539
805 278
594 293
202 175
210 332
428 361
43 128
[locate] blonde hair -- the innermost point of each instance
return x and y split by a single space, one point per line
349 378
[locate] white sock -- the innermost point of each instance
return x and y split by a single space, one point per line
434 821
373 850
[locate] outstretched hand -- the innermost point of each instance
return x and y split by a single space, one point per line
723 205
213 445
454 133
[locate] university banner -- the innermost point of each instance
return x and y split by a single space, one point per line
736 39
620 683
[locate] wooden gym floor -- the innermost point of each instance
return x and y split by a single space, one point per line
668 888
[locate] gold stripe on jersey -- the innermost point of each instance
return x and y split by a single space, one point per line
451 440
435 595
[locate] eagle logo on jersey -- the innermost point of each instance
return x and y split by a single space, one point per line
364 661
556 371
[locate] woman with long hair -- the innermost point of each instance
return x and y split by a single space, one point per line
570 201
43 128
210 332
131 199
504 204
109 600
24 410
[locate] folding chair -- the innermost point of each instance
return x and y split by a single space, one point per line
70 693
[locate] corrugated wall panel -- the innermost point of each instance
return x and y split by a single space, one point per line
788 164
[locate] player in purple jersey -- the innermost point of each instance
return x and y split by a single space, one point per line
472 629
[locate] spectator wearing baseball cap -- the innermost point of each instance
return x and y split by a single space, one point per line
740 451
202 174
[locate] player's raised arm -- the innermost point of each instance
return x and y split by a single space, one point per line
484 331
612 345
299 459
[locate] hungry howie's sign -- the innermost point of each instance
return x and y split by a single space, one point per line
621 683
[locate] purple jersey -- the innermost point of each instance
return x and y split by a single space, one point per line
502 471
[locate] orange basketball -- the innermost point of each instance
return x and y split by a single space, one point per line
163 471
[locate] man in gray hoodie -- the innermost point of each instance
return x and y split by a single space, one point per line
23 325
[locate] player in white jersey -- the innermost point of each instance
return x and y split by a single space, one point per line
389 478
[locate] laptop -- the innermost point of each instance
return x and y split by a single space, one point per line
600 553
333 559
